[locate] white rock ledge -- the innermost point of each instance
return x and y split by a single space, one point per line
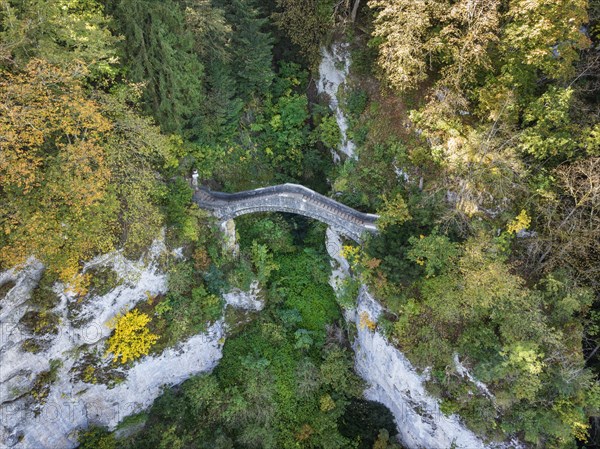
393 381
249 300
72 405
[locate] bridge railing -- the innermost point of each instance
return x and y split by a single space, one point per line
294 189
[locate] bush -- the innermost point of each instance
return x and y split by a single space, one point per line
43 296
263 262
210 305
41 322
131 339
102 280
97 438
178 199
32 345
271 230
5 288
44 380
356 102
181 278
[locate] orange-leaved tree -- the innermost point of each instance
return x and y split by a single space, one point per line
55 200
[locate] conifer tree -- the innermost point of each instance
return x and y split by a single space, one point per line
159 51
251 48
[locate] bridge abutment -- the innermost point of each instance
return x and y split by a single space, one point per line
230 242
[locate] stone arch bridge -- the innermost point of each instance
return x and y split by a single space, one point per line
291 198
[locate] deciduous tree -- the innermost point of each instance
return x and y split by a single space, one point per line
57 204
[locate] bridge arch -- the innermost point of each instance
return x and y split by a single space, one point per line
292 198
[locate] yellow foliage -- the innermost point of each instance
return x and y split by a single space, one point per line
89 375
366 322
131 339
575 419
521 222
393 212
149 298
53 168
79 282
326 403
372 263
351 254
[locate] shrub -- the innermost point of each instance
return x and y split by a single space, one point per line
5 288
131 339
97 438
41 323
181 278
263 261
394 212
356 102
103 280
43 296
31 345
44 380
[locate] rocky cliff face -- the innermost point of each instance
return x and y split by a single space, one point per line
333 71
391 378
394 382
44 402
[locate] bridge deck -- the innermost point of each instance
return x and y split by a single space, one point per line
292 198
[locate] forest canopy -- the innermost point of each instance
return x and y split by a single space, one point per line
477 132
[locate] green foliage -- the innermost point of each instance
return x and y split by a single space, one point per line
349 292
505 107
251 48
393 212
43 382
41 322
181 278
306 22
304 342
328 132
263 262
188 308
210 305
436 253
137 153
522 366
371 179
158 51
278 384
356 102
272 231
59 31
369 424
32 345
470 301
218 118
546 36
286 132
97 438
550 132
43 295
502 116
179 200
103 280
301 282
